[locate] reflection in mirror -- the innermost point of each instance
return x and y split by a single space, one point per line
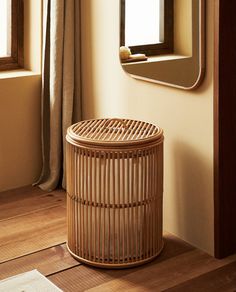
148 32
147 26
163 43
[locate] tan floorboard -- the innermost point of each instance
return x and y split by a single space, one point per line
164 275
32 232
33 228
222 279
20 194
15 207
91 277
47 262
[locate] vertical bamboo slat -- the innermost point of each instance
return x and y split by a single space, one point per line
114 192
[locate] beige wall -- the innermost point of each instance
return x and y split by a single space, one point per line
186 117
20 153
183 29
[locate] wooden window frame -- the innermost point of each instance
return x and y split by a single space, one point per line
16 60
165 47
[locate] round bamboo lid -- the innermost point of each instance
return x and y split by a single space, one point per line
114 132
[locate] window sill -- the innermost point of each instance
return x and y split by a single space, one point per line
17 73
160 58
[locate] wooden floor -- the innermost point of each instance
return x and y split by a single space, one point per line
33 235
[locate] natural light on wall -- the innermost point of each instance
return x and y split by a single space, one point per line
144 22
5 27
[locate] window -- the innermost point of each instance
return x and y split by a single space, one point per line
11 34
147 26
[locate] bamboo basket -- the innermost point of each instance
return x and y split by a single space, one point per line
114 192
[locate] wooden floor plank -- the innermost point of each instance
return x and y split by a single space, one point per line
92 277
166 274
222 279
47 262
32 232
30 204
33 226
19 194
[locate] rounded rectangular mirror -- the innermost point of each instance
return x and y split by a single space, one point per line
166 41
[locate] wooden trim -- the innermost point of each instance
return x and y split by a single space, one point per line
152 49
16 60
225 128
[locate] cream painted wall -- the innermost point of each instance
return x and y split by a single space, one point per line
186 117
20 152
183 29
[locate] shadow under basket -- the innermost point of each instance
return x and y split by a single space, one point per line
114 192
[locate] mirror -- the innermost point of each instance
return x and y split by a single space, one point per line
173 53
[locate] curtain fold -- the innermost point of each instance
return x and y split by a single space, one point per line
60 86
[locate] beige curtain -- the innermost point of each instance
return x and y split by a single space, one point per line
61 92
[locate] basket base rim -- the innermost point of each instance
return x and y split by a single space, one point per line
115 266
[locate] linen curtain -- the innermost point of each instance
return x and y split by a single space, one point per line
61 94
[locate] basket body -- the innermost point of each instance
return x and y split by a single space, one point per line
114 202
